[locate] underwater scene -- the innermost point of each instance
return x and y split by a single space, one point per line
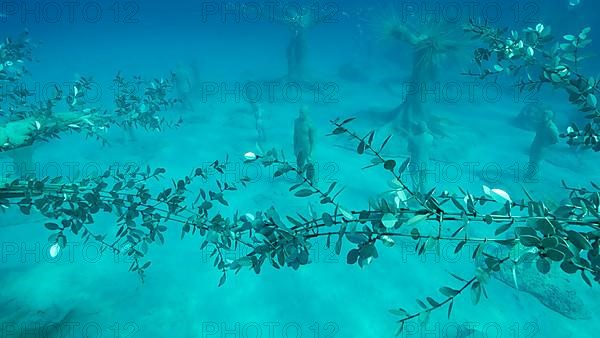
302 168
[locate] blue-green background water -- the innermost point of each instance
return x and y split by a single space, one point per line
95 296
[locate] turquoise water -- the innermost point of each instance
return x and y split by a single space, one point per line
218 56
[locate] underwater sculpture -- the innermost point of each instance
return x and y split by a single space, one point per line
530 116
298 24
304 139
546 135
430 48
259 124
299 21
564 237
552 289
420 143
144 215
541 60
186 80
296 51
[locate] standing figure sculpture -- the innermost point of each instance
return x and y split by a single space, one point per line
420 143
186 81
259 124
299 23
304 140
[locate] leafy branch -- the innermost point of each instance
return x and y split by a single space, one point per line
565 236
531 56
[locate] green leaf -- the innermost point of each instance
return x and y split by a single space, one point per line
529 241
549 242
592 101
415 234
338 245
339 130
159 171
389 165
459 247
385 142
417 219
555 255
361 148
51 226
578 240
569 267
303 193
502 228
543 265
458 277
475 292
585 278
4 203
448 291
458 205
403 166
294 221
389 220
350 119
222 280
327 219
331 187
400 312
433 302
352 256
424 318
400 329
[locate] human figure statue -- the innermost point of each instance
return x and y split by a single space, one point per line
304 139
420 143
546 135
299 23
296 55
185 80
258 112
